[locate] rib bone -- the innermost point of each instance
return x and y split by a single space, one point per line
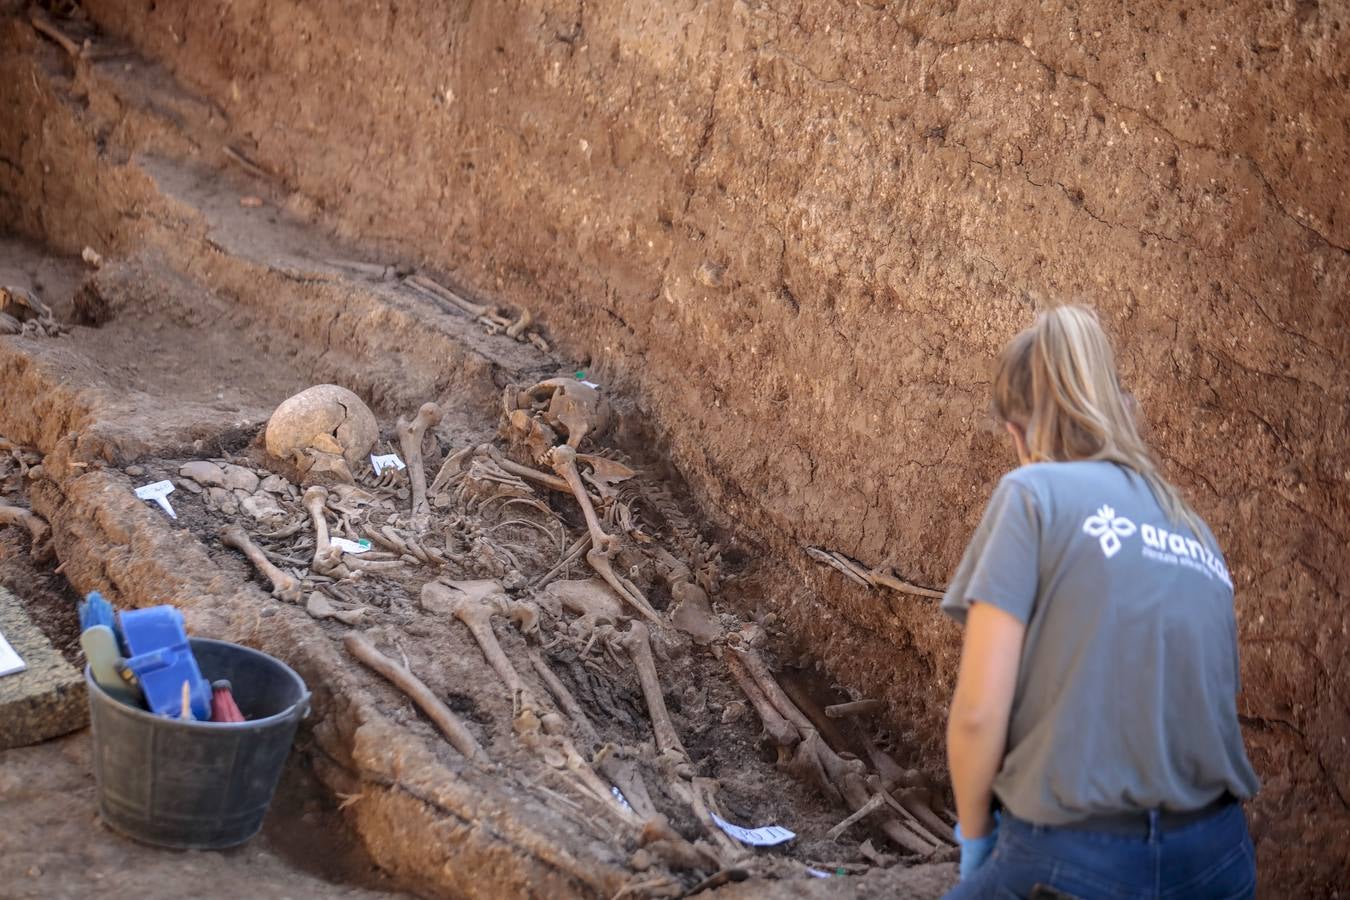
284 587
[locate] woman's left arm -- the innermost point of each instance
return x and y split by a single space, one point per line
977 727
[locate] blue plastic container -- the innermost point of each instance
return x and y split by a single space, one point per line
159 654
198 785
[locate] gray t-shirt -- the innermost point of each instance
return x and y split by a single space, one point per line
1126 695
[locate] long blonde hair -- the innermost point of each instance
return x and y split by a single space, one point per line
1057 382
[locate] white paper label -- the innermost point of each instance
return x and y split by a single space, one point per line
347 546
618 795
591 384
158 492
759 837
388 461
9 659
816 873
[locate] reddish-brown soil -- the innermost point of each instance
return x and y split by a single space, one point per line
793 234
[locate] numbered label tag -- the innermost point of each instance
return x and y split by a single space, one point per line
388 461
767 836
347 546
10 662
817 873
158 492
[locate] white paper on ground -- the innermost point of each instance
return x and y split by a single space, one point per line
347 546
816 873
10 662
618 795
591 384
388 461
759 837
159 492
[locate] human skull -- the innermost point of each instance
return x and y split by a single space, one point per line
325 431
536 416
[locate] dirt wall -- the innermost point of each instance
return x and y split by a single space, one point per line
798 232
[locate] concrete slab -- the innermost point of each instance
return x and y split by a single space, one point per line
45 700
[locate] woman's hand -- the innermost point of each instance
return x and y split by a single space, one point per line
977 727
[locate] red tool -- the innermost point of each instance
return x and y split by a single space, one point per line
223 707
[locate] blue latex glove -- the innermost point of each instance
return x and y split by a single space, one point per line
974 851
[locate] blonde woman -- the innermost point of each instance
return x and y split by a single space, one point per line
1095 705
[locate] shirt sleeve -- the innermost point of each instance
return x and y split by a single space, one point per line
1001 565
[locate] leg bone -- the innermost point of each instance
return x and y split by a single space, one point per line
410 436
455 731
284 587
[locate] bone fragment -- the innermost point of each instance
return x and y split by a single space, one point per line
431 287
451 467
829 559
410 434
626 589
914 802
779 729
692 614
573 553
515 468
876 802
564 698
43 25
455 731
517 328
855 708
318 606
887 579
245 163
284 586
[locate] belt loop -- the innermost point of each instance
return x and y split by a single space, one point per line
1153 826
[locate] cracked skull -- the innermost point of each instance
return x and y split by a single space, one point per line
324 431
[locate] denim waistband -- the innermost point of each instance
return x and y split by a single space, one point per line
1144 822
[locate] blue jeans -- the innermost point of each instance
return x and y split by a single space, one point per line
1212 859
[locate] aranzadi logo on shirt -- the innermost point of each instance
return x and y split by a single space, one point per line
1160 544
1109 528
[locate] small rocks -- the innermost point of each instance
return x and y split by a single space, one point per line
262 507
223 500
239 479
206 474
733 711
275 484
134 471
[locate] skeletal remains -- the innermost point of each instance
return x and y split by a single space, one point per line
23 313
454 525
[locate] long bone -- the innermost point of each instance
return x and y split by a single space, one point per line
814 758
637 642
38 529
455 731
410 436
284 587
328 559
563 460
474 603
